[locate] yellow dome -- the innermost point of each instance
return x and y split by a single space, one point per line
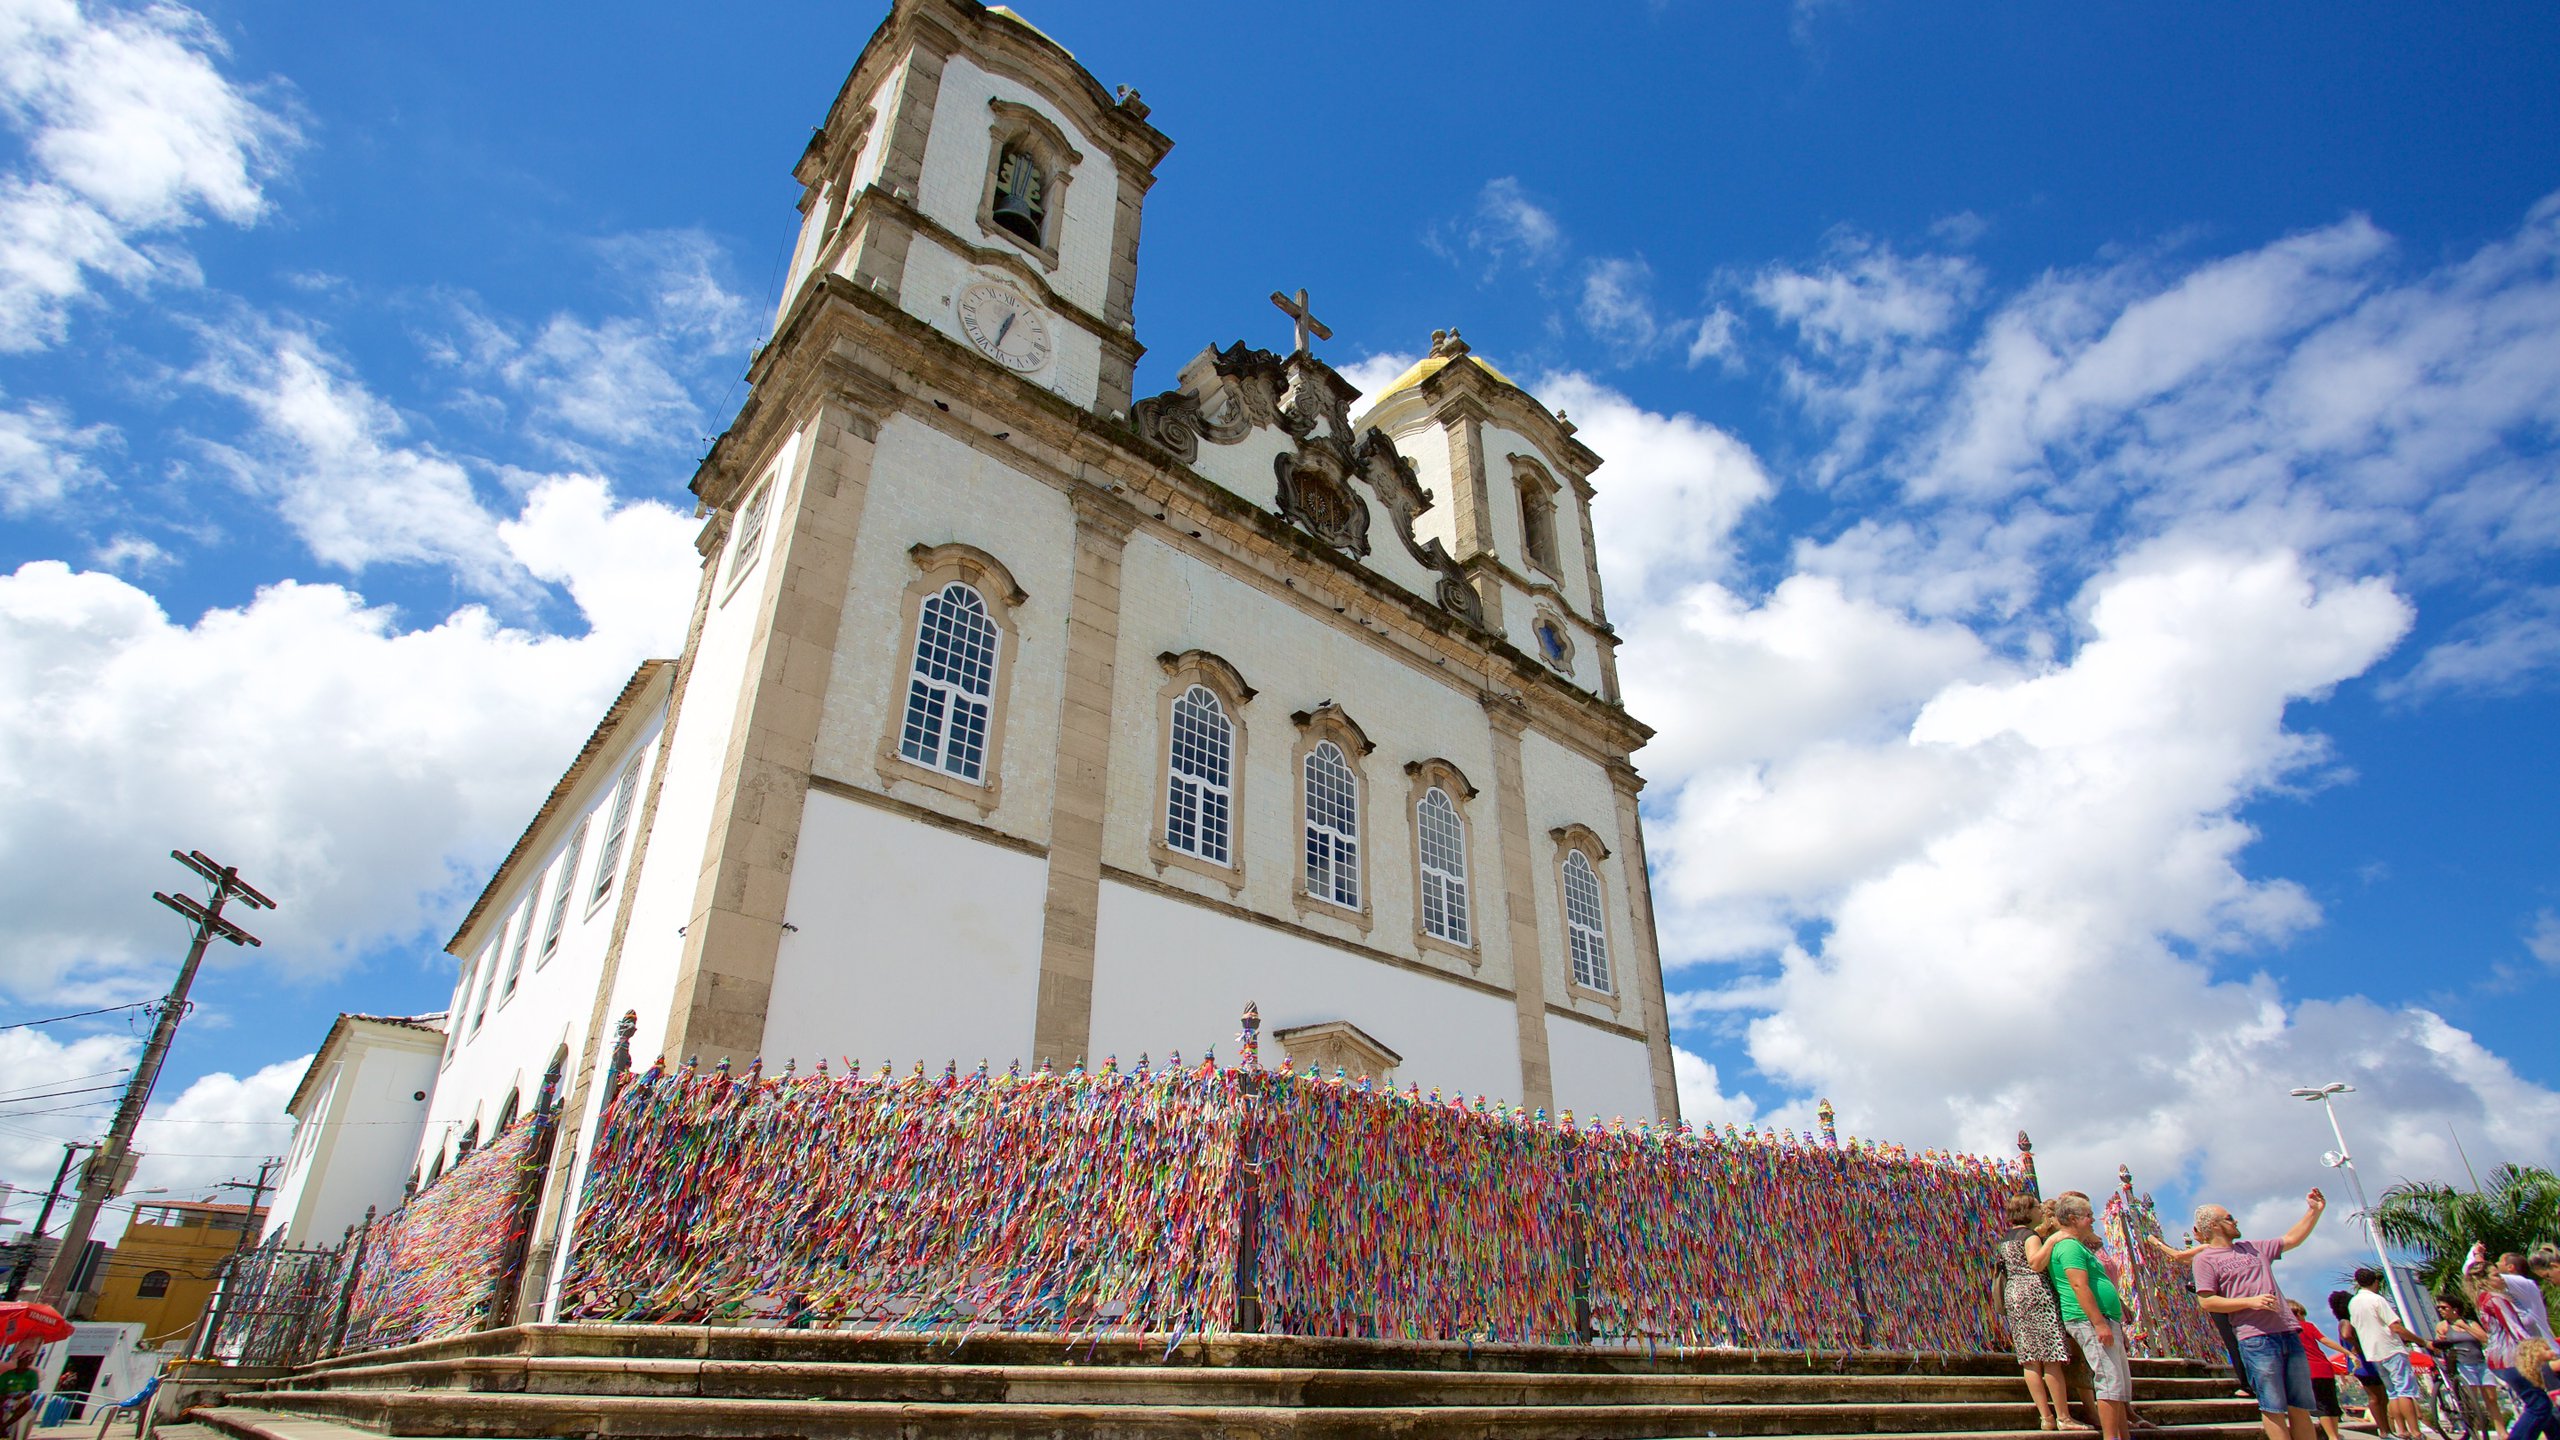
1429 366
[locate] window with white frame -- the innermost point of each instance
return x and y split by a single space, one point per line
524 937
1200 790
750 541
1333 827
948 695
1443 841
617 825
1585 928
488 973
560 893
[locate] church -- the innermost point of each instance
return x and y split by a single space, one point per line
1024 718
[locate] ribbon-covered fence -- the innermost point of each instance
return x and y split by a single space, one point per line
2166 1318
448 1261
1199 1199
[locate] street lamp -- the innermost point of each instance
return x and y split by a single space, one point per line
2340 1159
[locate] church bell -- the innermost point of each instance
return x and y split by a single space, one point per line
1018 202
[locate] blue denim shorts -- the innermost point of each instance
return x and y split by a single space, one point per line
2279 1372
2399 1377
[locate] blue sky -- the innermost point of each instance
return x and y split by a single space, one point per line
2080 502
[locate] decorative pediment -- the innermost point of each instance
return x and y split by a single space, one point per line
1226 395
1328 1045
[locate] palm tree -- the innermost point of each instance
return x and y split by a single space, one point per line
2518 1209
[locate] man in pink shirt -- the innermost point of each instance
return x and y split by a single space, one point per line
2236 1277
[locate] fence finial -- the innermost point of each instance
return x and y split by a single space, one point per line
1250 1040
1830 1124
620 1066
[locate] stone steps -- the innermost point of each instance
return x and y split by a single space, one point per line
1167 1385
543 1382
555 1417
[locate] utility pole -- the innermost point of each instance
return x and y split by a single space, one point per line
257 1189
27 1246
108 1171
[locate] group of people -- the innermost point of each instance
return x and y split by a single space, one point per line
2056 1293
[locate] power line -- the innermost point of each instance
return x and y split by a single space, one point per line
79 1015
65 1080
58 1094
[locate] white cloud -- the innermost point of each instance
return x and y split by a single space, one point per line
1702 1099
1718 338
134 134
2502 651
1670 490
2543 940
1507 227
236 733
217 1129
587 387
327 454
45 458
1617 306
130 554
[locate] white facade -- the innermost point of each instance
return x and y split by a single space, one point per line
913 793
358 1116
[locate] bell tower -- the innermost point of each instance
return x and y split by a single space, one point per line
971 172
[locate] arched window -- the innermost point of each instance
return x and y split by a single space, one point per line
948 694
1030 162
1199 815
1444 868
506 1114
1538 528
1333 827
155 1284
1586 930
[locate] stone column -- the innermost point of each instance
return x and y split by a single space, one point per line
1071 913
1655 1008
1520 901
724 983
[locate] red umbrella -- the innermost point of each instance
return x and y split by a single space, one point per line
24 1323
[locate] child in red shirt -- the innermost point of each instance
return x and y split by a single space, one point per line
2326 1362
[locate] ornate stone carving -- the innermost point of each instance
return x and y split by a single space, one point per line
1224 396
1391 478
1227 394
1315 493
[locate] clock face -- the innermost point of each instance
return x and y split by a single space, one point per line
1011 331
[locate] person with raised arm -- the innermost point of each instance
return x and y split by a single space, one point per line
2237 1277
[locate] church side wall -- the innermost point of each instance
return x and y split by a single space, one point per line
929 488
1170 975
1597 1073
913 943
519 1033
1565 789
653 945
1171 603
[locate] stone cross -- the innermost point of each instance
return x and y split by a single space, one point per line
1307 322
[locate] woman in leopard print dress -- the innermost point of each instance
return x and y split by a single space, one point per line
2035 1324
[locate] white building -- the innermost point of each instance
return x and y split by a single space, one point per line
357 1114
1024 719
